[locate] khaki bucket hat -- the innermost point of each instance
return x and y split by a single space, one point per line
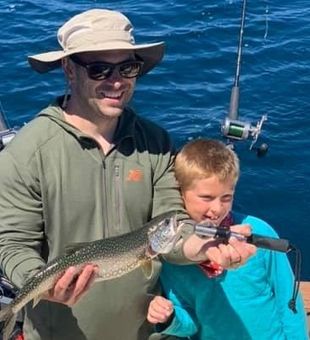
97 30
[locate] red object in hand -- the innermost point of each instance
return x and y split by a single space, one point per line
211 269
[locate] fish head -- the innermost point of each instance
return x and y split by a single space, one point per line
164 235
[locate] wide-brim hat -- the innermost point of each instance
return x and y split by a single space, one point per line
93 31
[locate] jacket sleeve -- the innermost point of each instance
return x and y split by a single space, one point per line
167 196
21 224
282 282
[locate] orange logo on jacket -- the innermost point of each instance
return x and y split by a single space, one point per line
134 175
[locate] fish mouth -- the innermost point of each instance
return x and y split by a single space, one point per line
163 236
165 242
149 252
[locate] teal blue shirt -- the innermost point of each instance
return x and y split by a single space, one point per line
250 302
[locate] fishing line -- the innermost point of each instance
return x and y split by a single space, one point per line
6 133
297 278
205 229
3 120
266 21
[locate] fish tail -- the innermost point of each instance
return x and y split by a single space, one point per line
9 318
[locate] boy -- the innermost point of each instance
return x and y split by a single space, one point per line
207 302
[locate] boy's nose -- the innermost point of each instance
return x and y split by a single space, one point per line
216 207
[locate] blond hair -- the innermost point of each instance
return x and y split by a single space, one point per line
203 158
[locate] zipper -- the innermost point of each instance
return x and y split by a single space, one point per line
105 200
118 197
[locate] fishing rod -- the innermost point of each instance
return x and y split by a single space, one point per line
207 229
6 133
223 233
232 127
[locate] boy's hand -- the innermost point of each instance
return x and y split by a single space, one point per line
160 310
230 255
243 249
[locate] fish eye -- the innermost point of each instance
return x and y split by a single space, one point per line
167 221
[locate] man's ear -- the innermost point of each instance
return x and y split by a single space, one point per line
67 67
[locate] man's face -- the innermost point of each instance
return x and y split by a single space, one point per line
108 97
209 199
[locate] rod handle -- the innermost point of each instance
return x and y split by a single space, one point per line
234 103
271 243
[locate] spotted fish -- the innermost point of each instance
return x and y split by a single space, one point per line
115 257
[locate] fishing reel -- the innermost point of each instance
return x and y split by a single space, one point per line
233 128
241 130
6 136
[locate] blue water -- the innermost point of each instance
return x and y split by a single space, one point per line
189 92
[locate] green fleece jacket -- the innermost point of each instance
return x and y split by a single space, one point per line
57 188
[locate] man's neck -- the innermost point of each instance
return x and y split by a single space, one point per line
102 130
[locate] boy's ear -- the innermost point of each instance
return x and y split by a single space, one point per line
178 185
182 194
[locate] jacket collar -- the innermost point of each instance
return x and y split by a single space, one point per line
125 127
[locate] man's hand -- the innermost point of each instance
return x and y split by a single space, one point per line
72 285
160 310
230 255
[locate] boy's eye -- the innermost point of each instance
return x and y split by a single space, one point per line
227 199
207 198
224 199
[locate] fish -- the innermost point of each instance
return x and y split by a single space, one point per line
115 257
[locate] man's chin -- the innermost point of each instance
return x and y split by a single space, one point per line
112 112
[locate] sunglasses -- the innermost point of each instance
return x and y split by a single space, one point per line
100 70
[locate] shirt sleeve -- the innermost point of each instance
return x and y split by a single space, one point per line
21 224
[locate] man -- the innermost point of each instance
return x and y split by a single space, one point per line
88 168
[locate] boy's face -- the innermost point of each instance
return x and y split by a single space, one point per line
209 199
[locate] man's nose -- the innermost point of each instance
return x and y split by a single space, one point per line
115 78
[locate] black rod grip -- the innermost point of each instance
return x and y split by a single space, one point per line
234 103
278 244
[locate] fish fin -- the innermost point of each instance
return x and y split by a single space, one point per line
9 318
36 300
73 247
147 268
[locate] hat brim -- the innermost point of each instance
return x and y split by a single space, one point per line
151 54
